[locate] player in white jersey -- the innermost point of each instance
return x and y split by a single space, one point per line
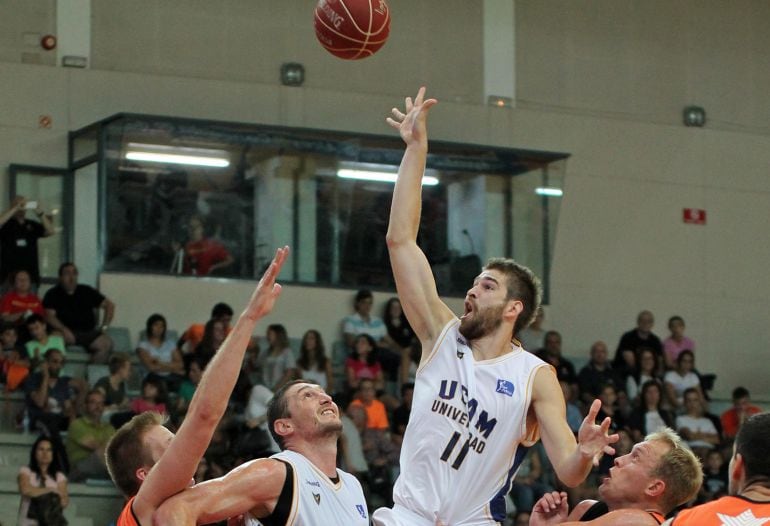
479 400
300 486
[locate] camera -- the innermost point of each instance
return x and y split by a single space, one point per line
31 205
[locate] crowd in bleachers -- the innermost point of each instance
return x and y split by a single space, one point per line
370 370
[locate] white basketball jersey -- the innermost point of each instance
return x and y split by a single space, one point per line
317 501
467 432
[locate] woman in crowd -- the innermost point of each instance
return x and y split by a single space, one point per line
361 364
159 354
214 334
676 342
649 415
680 379
42 476
153 397
646 370
20 302
313 364
278 364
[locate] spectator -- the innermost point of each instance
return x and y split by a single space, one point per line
40 341
114 388
192 337
153 397
532 337
399 330
18 239
596 373
380 453
401 414
352 452
278 363
52 400
742 408
527 488
714 477
70 309
214 334
253 438
20 302
203 255
676 342
551 353
86 439
609 397
676 382
410 360
14 363
386 351
574 416
159 354
362 365
313 364
649 416
698 431
363 322
641 336
193 366
645 371
43 475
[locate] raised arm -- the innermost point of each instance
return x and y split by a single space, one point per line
252 487
176 467
571 460
426 313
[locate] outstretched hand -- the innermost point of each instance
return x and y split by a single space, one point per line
551 509
267 291
594 440
412 125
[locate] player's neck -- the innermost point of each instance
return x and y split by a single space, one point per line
756 491
322 453
493 345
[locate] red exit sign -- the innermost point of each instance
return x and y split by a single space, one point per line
694 216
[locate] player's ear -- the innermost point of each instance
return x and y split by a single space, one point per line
737 467
283 426
513 309
141 473
655 488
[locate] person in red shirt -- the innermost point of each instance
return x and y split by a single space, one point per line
145 460
20 302
749 500
733 418
202 255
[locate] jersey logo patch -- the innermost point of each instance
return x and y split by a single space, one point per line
313 483
361 510
505 387
746 518
317 498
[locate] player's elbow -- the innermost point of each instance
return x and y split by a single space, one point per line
203 413
396 239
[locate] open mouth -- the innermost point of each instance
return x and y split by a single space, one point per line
328 411
468 309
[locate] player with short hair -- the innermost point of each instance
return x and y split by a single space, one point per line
749 500
301 485
641 488
145 460
480 400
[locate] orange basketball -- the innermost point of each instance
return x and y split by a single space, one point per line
352 29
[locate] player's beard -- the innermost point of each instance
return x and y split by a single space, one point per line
482 322
330 428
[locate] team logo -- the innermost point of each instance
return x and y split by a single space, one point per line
505 387
361 510
460 354
746 518
317 498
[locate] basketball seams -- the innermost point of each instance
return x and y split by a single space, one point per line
343 34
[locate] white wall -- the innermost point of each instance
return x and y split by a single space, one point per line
610 96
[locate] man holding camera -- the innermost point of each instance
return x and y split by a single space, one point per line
18 239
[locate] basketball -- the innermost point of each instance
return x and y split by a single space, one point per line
352 29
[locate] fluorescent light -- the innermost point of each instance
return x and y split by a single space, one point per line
384 177
549 191
159 153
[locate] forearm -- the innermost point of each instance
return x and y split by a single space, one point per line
45 220
109 313
407 196
574 467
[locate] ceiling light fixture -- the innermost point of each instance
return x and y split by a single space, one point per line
384 177
158 153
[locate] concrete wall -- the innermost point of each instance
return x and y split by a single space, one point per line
603 80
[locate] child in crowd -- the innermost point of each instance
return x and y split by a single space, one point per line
14 362
153 397
40 341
